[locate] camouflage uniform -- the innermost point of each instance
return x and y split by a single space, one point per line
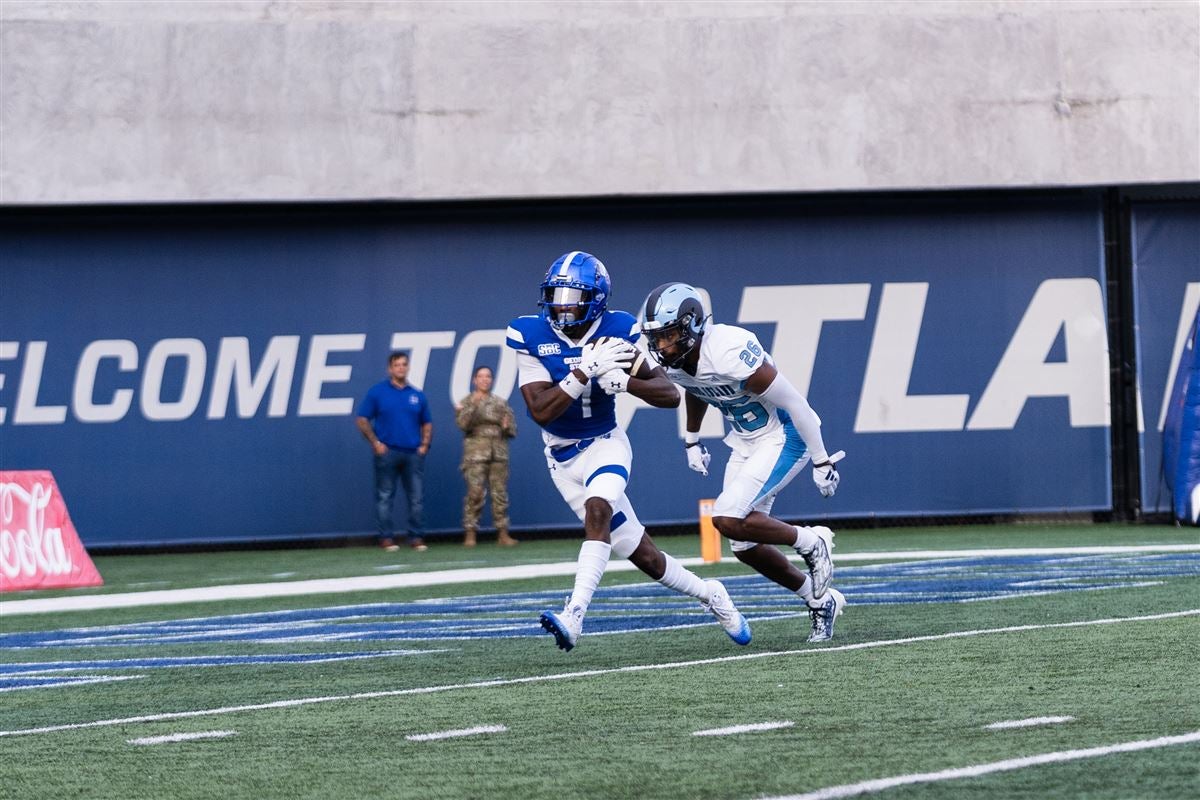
488 424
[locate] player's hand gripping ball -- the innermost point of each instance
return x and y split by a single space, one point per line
604 354
628 351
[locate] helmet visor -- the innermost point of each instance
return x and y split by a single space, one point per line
566 296
566 305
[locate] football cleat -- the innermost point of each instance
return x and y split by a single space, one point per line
820 564
721 606
566 625
824 617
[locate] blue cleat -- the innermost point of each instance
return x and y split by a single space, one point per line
566 625
721 606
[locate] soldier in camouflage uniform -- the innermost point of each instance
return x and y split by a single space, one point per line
488 423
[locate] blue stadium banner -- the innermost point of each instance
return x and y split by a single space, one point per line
1166 273
191 375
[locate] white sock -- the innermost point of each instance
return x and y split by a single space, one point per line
681 579
805 592
806 539
593 558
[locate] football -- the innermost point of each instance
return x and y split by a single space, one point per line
640 359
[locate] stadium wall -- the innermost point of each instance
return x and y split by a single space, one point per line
259 101
189 373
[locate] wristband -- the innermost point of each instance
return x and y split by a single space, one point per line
691 438
572 386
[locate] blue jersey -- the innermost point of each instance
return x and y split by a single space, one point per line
594 412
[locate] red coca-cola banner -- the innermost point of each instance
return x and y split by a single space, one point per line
39 547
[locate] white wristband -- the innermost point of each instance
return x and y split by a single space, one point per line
691 437
572 386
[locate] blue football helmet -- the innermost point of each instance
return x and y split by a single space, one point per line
575 290
673 321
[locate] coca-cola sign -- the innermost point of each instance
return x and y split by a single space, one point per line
39 547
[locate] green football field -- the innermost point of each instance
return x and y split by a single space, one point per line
451 690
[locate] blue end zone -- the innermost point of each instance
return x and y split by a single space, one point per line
619 609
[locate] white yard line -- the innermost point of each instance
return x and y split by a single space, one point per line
429 737
813 651
974 771
751 728
183 737
1026 723
367 583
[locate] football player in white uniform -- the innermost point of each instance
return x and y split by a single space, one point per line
774 433
574 358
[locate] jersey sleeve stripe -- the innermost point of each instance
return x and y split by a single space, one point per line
515 339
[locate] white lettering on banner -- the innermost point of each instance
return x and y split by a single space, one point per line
885 404
465 361
28 411
317 373
419 346
32 548
276 369
83 402
1075 306
8 352
196 360
798 313
1191 304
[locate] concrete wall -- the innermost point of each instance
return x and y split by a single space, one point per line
264 101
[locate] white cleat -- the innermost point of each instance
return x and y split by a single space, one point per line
721 606
824 617
820 563
566 625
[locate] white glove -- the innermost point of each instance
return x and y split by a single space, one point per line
698 458
614 382
825 474
605 355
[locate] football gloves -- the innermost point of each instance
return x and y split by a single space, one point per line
825 474
698 458
605 355
614 382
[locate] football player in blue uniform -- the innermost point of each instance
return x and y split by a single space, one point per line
574 358
773 435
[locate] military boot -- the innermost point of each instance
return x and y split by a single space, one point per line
468 538
504 540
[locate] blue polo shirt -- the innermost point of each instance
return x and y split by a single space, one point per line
396 414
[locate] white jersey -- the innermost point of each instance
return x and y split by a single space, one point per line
729 355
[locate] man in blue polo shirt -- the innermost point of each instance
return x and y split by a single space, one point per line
394 419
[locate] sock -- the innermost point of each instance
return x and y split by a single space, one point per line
593 558
681 579
806 540
805 592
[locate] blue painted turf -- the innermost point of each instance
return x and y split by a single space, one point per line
639 607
